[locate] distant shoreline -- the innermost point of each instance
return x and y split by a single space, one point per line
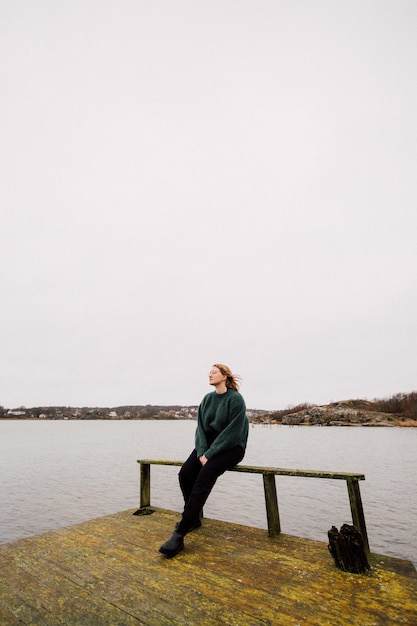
345 413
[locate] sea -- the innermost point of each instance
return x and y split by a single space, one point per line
58 473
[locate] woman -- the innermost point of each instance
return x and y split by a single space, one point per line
220 443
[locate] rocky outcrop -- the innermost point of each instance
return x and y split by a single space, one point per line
344 413
340 416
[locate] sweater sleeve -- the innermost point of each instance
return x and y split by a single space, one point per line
235 433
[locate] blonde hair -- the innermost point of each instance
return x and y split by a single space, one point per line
232 380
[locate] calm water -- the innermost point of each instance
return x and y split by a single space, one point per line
57 473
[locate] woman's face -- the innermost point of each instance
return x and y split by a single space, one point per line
216 377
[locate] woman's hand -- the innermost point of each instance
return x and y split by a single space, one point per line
203 460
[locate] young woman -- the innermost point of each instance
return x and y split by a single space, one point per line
220 443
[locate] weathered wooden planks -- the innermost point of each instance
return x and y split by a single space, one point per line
109 571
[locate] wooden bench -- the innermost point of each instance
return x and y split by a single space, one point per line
271 499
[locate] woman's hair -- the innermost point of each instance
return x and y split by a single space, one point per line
232 380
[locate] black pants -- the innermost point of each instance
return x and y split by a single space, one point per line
197 481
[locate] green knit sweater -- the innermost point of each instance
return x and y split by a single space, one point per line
222 423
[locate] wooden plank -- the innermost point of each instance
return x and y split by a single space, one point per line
37 590
279 471
7 617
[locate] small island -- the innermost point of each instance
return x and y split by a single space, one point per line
398 410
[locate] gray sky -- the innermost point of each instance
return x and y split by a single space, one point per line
192 182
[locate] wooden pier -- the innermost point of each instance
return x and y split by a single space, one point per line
108 571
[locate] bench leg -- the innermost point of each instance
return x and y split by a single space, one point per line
271 502
356 507
145 485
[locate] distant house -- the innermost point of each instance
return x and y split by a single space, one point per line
16 413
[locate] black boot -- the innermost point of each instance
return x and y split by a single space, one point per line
174 544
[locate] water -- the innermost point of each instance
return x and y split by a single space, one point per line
57 473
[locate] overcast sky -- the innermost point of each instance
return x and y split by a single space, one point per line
192 182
